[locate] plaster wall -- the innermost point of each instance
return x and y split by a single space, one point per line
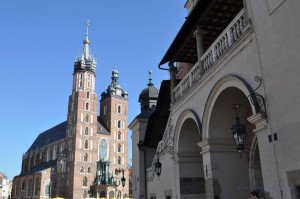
277 30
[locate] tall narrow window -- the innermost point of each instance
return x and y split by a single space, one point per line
86 132
119 109
37 186
119 148
82 170
87 118
103 148
89 80
119 160
119 124
86 144
87 106
81 79
84 183
119 135
86 157
89 170
88 95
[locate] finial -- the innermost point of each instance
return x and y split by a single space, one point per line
87 27
150 79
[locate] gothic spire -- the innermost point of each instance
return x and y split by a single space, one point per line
87 61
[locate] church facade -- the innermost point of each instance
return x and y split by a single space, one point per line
233 121
86 155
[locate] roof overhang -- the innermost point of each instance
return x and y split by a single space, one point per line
212 17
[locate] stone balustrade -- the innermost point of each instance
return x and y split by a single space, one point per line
226 39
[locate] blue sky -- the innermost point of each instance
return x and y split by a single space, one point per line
39 41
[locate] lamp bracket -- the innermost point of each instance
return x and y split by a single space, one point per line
257 99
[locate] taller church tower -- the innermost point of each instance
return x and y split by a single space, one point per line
82 126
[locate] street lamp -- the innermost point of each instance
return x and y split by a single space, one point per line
158 167
123 179
238 131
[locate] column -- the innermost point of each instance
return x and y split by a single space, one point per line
172 71
200 49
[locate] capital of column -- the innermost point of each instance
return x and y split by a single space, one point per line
217 145
260 122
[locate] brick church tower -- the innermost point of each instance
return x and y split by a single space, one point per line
82 125
114 114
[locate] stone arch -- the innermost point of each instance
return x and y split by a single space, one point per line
226 168
187 154
181 119
219 87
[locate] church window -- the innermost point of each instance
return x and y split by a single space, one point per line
119 109
84 183
87 106
89 170
119 124
82 170
47 190
119 135
86 157
86 132
54 152
23 185
29 187
104 110
81 79
86 144
48 155
119 160
119 148
87 118
70 145
37 186
89 80
88 95
103 146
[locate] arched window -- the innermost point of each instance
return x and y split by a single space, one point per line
119 135
103 147
37 187
54 152
84 182
89 170
119 148
87 118
86 144
119 124
82 170
119 160
29 188
81 79
88 95
86 132
47 190
87 106
119 109
23 185
86 157
116 172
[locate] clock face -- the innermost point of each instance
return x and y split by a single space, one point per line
103 149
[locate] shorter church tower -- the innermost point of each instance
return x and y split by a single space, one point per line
114 115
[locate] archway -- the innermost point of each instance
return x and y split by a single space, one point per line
229 168
191 175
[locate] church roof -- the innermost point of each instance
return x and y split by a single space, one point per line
49 136
149 92
40 167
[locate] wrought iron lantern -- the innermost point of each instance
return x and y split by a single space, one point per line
239 132
123 179
158 167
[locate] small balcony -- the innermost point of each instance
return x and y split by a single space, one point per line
231 34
